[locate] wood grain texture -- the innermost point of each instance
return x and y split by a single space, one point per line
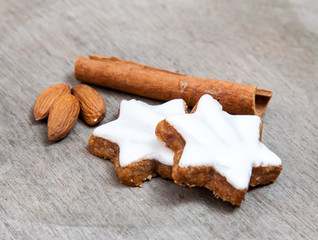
61 191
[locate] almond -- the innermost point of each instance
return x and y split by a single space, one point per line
47 97
93 107
63 116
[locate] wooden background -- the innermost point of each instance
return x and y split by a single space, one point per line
60 191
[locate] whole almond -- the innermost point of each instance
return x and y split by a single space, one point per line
93 107
63 116
47 97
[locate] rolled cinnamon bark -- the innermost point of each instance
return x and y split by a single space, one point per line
131 77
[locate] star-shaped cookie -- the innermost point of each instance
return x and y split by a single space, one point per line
131 144
219 151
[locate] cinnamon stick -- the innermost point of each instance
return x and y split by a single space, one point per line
131 77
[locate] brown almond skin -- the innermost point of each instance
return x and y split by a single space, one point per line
63 116
93 107
46 99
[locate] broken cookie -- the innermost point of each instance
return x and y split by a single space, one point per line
219 151
130 141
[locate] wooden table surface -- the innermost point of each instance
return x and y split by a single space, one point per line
60 191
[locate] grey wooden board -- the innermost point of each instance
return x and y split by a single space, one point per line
61 191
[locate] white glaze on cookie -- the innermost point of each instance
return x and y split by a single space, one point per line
134 131
228 143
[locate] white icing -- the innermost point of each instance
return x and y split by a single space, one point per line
134 131
229 143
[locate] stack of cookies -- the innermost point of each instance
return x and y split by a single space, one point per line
207 148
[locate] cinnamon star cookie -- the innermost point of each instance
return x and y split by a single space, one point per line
219 151
131 144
